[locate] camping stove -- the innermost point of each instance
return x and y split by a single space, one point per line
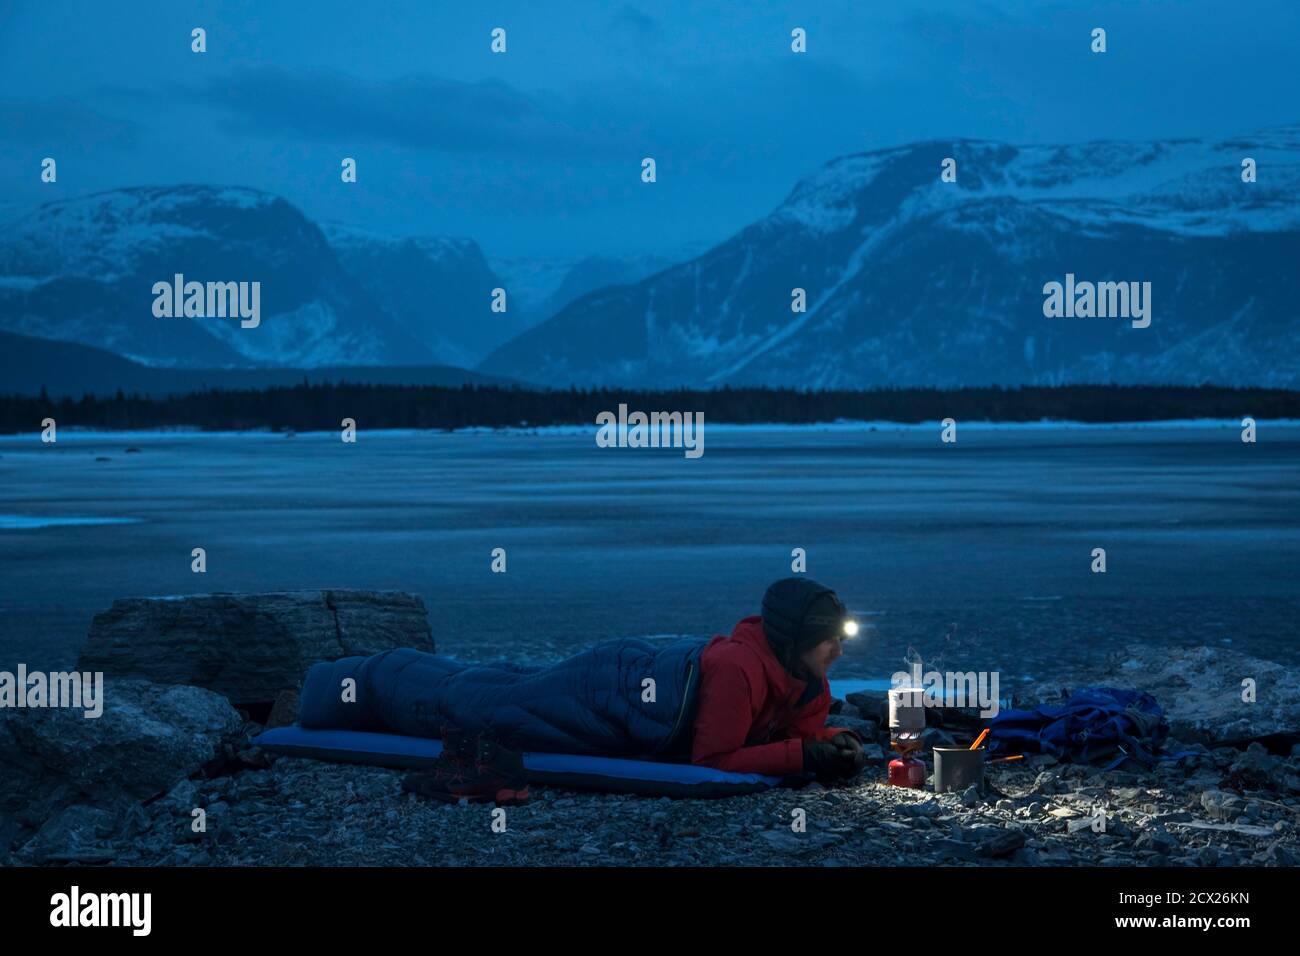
906 725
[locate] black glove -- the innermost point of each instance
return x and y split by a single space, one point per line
848 741
827 761
851 743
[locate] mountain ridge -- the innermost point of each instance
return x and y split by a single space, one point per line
863 232
336 294
81 270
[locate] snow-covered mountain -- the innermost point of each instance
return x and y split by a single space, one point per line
541 286
914 281
437 288
532 281
83 270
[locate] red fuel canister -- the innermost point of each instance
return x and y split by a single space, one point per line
905 771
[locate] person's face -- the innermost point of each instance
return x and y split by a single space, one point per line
818 660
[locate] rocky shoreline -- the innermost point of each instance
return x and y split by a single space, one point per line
1220 808
131 787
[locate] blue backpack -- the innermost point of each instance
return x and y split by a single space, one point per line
1095 724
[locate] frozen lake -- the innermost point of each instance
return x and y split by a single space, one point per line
980 549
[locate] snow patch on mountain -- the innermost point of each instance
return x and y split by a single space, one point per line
310 335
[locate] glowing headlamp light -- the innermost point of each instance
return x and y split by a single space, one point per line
850 628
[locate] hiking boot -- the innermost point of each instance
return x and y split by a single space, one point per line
449 777
505 768
472 768
458 746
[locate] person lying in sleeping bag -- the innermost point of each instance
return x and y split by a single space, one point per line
752 702
764 696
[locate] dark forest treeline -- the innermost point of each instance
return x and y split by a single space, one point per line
321 407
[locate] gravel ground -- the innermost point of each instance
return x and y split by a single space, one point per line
1220 808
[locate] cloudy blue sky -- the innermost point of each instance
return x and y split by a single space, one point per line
538 150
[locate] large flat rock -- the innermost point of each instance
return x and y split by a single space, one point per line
249 647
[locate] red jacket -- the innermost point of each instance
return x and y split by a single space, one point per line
747 721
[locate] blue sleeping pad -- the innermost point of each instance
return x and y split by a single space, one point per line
571 771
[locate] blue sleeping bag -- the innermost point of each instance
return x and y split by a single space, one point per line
623 697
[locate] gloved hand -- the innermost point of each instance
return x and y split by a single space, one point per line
849 742
827 761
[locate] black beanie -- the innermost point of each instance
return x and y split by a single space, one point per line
799 613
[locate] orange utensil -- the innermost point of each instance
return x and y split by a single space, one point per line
980 739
